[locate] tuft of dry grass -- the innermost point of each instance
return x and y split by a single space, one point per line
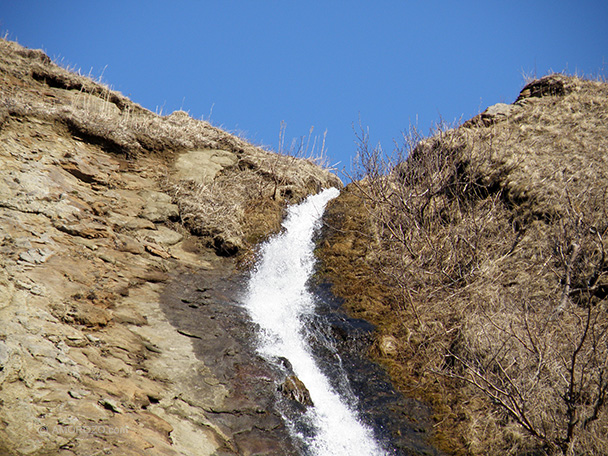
489 242
245 203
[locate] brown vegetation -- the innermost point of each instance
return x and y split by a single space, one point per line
488 241
244 202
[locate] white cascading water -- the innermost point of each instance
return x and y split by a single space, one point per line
278 301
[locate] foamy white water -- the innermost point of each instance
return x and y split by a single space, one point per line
278 300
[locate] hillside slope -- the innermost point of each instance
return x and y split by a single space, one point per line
119 230
489 241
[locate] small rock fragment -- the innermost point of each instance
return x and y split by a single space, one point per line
36 256
78 394
109 404
293 388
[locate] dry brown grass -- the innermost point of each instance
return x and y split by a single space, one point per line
489 240
245 202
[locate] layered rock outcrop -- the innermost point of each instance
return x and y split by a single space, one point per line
119 331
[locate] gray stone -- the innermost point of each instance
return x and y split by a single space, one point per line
499 110
128 244
36 256
110 404
65 359
78 394
39 347
92 338
202 166
162 235
4 354
158 206
68 421
131 223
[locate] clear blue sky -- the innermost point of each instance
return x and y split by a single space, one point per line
249 65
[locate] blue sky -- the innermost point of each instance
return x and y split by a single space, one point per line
247 66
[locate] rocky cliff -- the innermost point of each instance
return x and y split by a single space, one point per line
479 253
120 232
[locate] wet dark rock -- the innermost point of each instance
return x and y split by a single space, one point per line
294 389
223 337
205 307
286 364
401 424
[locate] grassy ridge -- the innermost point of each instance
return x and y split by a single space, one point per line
480 255
233 210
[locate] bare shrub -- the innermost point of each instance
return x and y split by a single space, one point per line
489 242
543 359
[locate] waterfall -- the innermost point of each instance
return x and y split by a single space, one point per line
280 304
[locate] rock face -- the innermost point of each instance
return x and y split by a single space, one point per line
119 334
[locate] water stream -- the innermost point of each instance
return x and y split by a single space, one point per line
280 303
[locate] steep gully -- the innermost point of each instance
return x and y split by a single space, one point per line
263 329
280 304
